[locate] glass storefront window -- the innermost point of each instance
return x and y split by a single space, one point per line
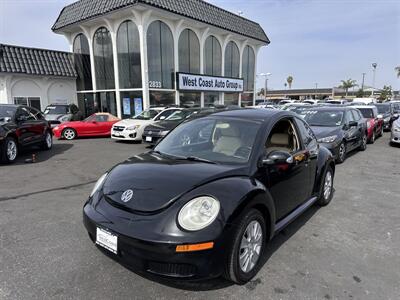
90 103
189 52
131 104
160 98
212 57
190 99
86 103
248 68
82 63
160 56
103 59
247 99
128 47
211 99
231 99
232 60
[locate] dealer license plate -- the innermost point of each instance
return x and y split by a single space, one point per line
149 138
107 240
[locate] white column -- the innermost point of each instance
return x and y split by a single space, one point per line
257 50
92 68
116 71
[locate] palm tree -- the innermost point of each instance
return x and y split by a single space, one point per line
398 71
290 81
348 84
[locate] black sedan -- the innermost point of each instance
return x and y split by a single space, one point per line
210 196
387 112
22 126
340 129
156 131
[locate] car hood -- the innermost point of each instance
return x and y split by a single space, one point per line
323 131
132 122
163 125
158 181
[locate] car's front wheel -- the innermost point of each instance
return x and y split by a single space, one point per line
69 134
247 248
373 138
363 145
327 188
341 153
9 151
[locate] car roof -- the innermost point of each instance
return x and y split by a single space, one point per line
330 108
364 106
253 113
11 105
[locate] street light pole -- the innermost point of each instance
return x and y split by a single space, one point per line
266 83
374 65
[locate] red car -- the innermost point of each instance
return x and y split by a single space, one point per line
374 124
98 124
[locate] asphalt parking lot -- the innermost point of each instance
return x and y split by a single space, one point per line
347 250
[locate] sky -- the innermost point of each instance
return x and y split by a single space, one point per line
318 42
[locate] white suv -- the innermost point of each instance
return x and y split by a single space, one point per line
132 129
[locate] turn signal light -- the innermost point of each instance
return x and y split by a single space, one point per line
194 247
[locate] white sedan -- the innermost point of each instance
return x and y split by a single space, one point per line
132 129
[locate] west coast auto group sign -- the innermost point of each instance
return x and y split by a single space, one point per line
195 82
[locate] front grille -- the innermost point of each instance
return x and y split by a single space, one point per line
170 269
152 132
118 128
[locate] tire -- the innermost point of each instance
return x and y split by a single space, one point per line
341 154
9 151
381 132
326 194
234 269
47 144
363 145
69 134
373 138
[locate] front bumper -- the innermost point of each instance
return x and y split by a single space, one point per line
395 137
57 133
154 257
126 135
152 139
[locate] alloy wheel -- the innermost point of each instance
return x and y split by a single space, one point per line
49 140
342 152
11 150
328 185
250 246
69 134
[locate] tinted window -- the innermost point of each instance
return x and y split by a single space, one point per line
189 52
128 47
349 117
232 60
248 68
103 59
56 110
101 118
82 63
165 114
212 57
383 108
160 54
367 113
328 118
7 112
306 133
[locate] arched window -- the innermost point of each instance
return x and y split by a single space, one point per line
232 60
103 59
212 57
128 48
189 52
160 56
82 63
248 68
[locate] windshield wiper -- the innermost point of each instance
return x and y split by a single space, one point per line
199 159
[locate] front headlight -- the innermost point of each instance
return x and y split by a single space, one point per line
164 133
98 184
135 127
56 128
386 119
198 213
328 139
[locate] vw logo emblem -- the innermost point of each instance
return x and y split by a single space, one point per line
127 196
150 132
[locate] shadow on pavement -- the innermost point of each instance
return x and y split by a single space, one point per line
41 155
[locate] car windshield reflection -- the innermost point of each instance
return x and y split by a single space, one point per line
211 140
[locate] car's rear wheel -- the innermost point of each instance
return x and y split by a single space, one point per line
341 156
247 248
69 134
363 145
48 141
9 151
327 188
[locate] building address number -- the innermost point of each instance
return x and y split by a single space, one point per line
155 84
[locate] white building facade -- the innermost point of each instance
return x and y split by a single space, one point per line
130 57
36 77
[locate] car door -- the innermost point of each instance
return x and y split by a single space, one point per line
103 125
26 127
350 132
38 123
361 127
288 182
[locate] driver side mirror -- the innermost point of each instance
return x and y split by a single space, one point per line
277 157
353 124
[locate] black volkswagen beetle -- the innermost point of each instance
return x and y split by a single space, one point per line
208 198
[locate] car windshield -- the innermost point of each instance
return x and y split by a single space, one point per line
146 115
218 141
367 113
383 108
180 115
328 118
7 112
56 110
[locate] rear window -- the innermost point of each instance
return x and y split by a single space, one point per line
367 113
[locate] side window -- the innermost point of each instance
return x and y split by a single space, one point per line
349 117
35 113
165 114
307 135
101 118
356 115
28 114
283 137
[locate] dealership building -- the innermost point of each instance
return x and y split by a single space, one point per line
133 54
